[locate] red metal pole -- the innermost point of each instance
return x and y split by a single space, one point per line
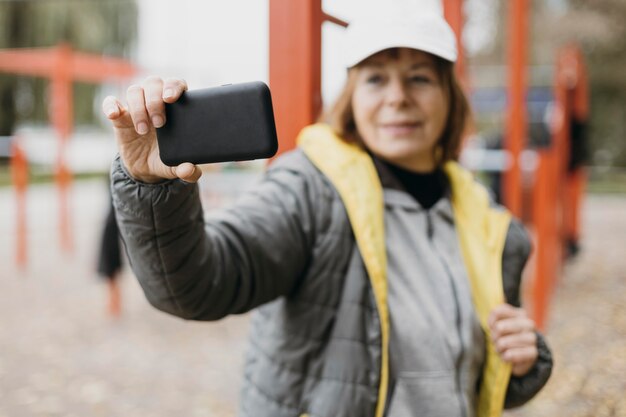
453 12
546 216
295 66
42 62
19 176
543 262
61 112
516 124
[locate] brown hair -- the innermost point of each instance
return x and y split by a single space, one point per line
341 118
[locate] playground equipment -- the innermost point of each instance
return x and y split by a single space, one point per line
516 130
62 66
559 179
295 79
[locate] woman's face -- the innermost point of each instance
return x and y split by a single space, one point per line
400 107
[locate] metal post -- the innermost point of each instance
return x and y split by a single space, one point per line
62 119
19 176
516 124
453 12
542 217
295 66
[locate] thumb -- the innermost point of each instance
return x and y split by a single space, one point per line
117 113
188 172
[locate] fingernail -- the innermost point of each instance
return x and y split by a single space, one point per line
142 128
157 121
110 111
168 93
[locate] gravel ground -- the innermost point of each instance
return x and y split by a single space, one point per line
61 355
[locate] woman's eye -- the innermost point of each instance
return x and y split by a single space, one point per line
374 79
420 79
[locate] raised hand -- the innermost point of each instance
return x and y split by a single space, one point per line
135 129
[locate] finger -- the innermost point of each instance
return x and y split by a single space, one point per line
153 95
505 327
188 172
520 355
111 107
173 88
116 113
514 341
137 109
521 368
505 311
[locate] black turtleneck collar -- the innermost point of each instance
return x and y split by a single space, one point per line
426 188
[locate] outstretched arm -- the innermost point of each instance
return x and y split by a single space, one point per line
237 259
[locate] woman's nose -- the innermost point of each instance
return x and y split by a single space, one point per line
396 93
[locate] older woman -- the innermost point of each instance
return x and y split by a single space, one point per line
385 281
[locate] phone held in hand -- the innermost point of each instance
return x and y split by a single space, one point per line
233 122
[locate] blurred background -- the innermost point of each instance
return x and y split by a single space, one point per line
76 340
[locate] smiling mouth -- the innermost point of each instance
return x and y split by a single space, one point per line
402 128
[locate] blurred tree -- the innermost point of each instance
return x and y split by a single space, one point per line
95 26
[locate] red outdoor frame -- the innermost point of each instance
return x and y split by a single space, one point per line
63 66
295 79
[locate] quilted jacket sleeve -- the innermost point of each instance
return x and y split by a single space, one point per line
231 262
516 252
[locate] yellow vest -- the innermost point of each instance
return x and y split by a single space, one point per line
481 230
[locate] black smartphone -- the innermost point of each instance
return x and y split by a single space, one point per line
233 122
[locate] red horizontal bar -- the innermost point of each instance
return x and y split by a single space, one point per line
98 68
44 62
38 62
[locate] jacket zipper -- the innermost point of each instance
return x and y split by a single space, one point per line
430 231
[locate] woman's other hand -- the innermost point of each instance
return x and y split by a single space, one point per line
513 334
135 129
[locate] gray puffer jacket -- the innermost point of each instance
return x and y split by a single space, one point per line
284 247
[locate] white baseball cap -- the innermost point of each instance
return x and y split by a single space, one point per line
428 31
